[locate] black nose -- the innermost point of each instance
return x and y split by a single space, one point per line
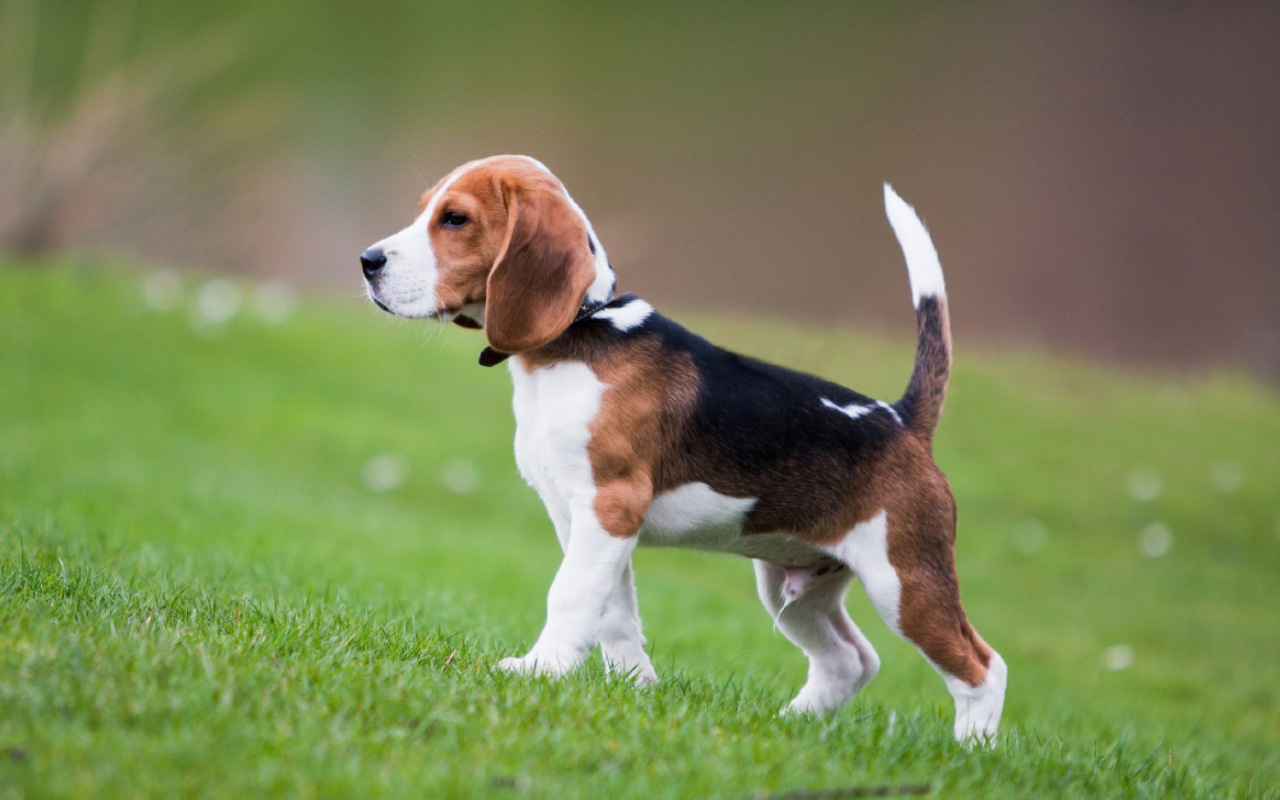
372 260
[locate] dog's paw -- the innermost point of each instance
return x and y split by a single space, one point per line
630 661
797 709
640 674
537 664
817 700
644 676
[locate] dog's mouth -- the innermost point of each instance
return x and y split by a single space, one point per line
446 314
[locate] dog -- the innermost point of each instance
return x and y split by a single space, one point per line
636 432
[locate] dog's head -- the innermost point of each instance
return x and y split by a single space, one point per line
499 244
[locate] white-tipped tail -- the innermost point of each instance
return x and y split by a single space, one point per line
922 258
921 405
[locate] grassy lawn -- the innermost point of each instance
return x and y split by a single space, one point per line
266 558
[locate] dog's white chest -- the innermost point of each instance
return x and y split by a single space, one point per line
554 407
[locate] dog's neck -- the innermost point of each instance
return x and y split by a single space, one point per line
491 358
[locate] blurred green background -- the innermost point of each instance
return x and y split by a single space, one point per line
1100 178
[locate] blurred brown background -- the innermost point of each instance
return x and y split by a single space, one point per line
1101 179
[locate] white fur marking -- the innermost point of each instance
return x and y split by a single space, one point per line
892 411
697 517
853 410
626 317
695 511
865 549
857 410
923 266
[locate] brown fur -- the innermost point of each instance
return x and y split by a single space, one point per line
927 388
540 277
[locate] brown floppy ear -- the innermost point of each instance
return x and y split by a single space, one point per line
541 274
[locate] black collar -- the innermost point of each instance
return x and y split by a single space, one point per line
491 358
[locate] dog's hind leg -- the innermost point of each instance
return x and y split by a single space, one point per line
907 565
621 640
841 660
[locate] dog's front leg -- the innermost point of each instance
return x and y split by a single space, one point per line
621 640
592 568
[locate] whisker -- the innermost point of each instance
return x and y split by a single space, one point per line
456 295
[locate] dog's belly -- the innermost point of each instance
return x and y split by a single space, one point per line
696 516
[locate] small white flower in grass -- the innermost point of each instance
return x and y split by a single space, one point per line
1226 476
1144 485
274 302
162 290
460 476
218 302
1155 540
1030 536
1117 657
385 472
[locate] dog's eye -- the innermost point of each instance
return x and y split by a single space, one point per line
452 219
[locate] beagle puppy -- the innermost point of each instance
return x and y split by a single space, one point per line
637 432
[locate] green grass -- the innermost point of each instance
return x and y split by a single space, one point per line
200 595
